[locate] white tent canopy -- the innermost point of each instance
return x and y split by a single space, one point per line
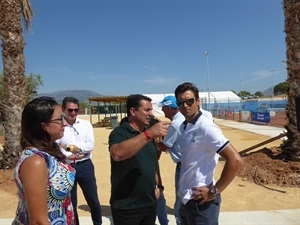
219 96
156 98
215 97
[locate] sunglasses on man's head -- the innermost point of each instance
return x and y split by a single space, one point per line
189 102
71 110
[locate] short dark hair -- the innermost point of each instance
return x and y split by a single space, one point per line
134 101
185 87
67 100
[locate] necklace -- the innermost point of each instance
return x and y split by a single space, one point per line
135 127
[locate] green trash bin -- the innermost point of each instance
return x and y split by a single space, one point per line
114 121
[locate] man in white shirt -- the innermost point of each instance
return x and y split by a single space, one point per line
170 142
79 140
201 143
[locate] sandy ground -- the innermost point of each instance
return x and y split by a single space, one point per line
241 195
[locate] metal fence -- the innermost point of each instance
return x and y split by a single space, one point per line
252 105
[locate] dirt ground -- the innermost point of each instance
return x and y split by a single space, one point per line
266 182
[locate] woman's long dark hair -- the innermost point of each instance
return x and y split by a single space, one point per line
36 112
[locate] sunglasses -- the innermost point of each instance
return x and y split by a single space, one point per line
71 110
189 102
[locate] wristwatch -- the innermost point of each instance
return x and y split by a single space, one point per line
161 187
214 191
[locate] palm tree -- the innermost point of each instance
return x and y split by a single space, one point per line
291 147
14 98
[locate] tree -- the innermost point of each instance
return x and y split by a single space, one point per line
291 146
258 94
280 88
32 82
244 94
83 105
14 91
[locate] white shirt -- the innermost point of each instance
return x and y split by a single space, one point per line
172 137
207 114
80 134
200 144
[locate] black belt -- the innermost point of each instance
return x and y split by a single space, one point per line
79 162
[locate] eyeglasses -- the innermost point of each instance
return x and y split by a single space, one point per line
59 120
189 102
71 110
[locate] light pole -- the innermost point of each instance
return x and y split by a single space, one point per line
208 84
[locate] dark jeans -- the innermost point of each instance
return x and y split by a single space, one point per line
141 216
162 213
85 177
177 199
205 214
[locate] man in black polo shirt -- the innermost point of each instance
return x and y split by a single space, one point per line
135 186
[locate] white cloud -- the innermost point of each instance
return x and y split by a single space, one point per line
160 81
162 55
152 69
262 74
92 77
108 77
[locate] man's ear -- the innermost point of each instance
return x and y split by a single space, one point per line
132 111
198 102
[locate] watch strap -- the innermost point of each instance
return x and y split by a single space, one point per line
161 187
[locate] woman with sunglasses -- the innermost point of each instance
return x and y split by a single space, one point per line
43 178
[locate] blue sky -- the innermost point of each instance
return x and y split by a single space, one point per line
120 47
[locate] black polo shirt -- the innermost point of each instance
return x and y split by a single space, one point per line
133 179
